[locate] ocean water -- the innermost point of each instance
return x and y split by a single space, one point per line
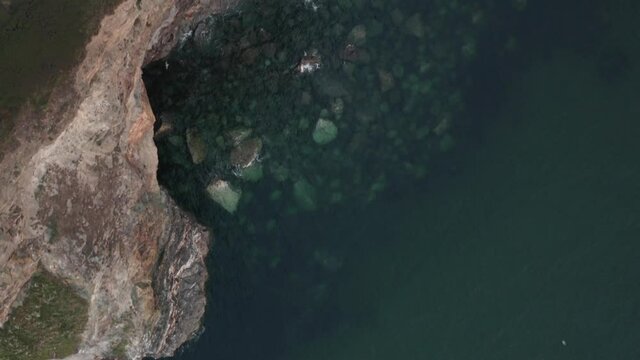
521 243
529 251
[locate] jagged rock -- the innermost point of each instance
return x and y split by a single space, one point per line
90 175
246 153
166 127
443 126
222 193
252 173
236 136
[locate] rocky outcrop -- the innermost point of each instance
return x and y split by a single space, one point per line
79 195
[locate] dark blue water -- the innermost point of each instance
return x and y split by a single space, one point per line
522 243
529 251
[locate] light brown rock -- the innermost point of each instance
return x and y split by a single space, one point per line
246 153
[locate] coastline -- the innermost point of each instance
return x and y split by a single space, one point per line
81 200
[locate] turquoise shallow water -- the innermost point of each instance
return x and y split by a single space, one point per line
523 244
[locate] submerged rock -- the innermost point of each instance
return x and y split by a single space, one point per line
387 81
222 193
251 173
236 136
337 107
324 132
415 26
305 195
166 127
358 35
197 146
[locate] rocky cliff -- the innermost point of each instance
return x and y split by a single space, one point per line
80 200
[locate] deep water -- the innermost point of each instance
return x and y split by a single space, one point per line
522 243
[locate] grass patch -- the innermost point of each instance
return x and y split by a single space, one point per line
47 324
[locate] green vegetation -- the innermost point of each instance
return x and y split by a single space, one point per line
41 40
47 324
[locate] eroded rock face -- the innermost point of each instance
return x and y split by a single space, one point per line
82 201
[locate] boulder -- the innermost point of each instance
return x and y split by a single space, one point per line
358 35
197 146
222 193
245 153
251 173
305 195
324 132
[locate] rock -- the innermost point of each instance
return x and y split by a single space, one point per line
246 153
222 193
324 132
310 62
120 241
197 146
176 140
303 124
236 136
387 81
305 195
358 35
251 173
166 127
356 54
279 172
337 107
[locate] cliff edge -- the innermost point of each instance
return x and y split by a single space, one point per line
80 199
